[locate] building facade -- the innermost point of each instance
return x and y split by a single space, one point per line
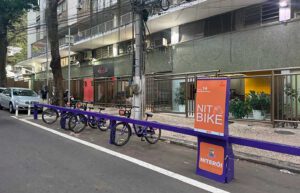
250 40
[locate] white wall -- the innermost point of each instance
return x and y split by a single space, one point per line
31 36
72 11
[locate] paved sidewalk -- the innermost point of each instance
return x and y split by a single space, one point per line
250 130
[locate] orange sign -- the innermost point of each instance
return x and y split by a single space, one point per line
210 112
211 158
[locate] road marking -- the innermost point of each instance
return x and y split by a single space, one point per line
152 167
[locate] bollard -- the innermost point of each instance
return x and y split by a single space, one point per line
35 114
17 110
112 132
29 110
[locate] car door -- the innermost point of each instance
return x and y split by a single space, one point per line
6 98
2 97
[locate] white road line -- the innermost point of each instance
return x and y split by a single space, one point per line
149 166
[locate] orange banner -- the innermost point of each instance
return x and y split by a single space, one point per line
210 112
211 158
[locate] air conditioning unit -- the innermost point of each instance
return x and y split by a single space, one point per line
129 48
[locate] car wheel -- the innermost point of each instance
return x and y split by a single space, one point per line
1 107
11 108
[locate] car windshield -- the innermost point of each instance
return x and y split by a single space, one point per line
21 92
1 90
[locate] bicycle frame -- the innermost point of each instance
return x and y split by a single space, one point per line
140 131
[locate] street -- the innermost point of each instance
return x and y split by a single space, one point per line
35 160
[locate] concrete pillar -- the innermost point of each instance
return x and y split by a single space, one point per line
116 20
115 50
285 10
175 35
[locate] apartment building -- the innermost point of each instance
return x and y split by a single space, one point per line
236 38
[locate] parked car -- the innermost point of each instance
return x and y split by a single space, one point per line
23 97
1 89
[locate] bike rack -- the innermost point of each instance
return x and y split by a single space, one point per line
202 137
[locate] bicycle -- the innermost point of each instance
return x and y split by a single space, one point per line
51 115
78 122
124 130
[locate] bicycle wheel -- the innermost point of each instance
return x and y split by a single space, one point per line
103 124
152 135
50 116
77 123
92 122
123 133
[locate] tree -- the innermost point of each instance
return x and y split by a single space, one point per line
18 39
52 30
11 11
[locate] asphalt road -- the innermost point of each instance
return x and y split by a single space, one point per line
36 161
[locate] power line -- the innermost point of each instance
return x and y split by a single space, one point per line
77 17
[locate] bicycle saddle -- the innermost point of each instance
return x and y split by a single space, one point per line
149 114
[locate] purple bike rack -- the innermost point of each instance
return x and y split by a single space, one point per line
226 142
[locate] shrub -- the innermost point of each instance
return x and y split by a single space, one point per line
259 101
239 108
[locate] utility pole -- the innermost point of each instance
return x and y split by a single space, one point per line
69 67
47 66
141 14
137 97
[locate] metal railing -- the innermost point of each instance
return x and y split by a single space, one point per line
227 141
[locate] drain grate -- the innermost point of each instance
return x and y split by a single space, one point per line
283 132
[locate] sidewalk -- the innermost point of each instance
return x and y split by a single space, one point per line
250 130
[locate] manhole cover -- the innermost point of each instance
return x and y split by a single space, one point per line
282 132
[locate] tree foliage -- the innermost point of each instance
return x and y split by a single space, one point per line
19 40
11 12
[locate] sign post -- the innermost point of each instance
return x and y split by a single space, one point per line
215 155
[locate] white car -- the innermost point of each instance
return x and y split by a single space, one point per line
23 97
1 89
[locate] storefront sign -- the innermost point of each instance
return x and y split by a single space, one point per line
211 113
104 70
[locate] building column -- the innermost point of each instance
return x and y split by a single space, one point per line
175 35
285 10
115 50
116 20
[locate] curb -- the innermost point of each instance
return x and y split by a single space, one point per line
278 164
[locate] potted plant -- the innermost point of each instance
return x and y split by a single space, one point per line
180 99
260 104
238 108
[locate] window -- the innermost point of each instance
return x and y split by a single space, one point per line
61 7
24 92
252 15
125 47
104 52
270 11
219 24
191 31
262 13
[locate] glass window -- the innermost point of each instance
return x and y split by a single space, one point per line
23 92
